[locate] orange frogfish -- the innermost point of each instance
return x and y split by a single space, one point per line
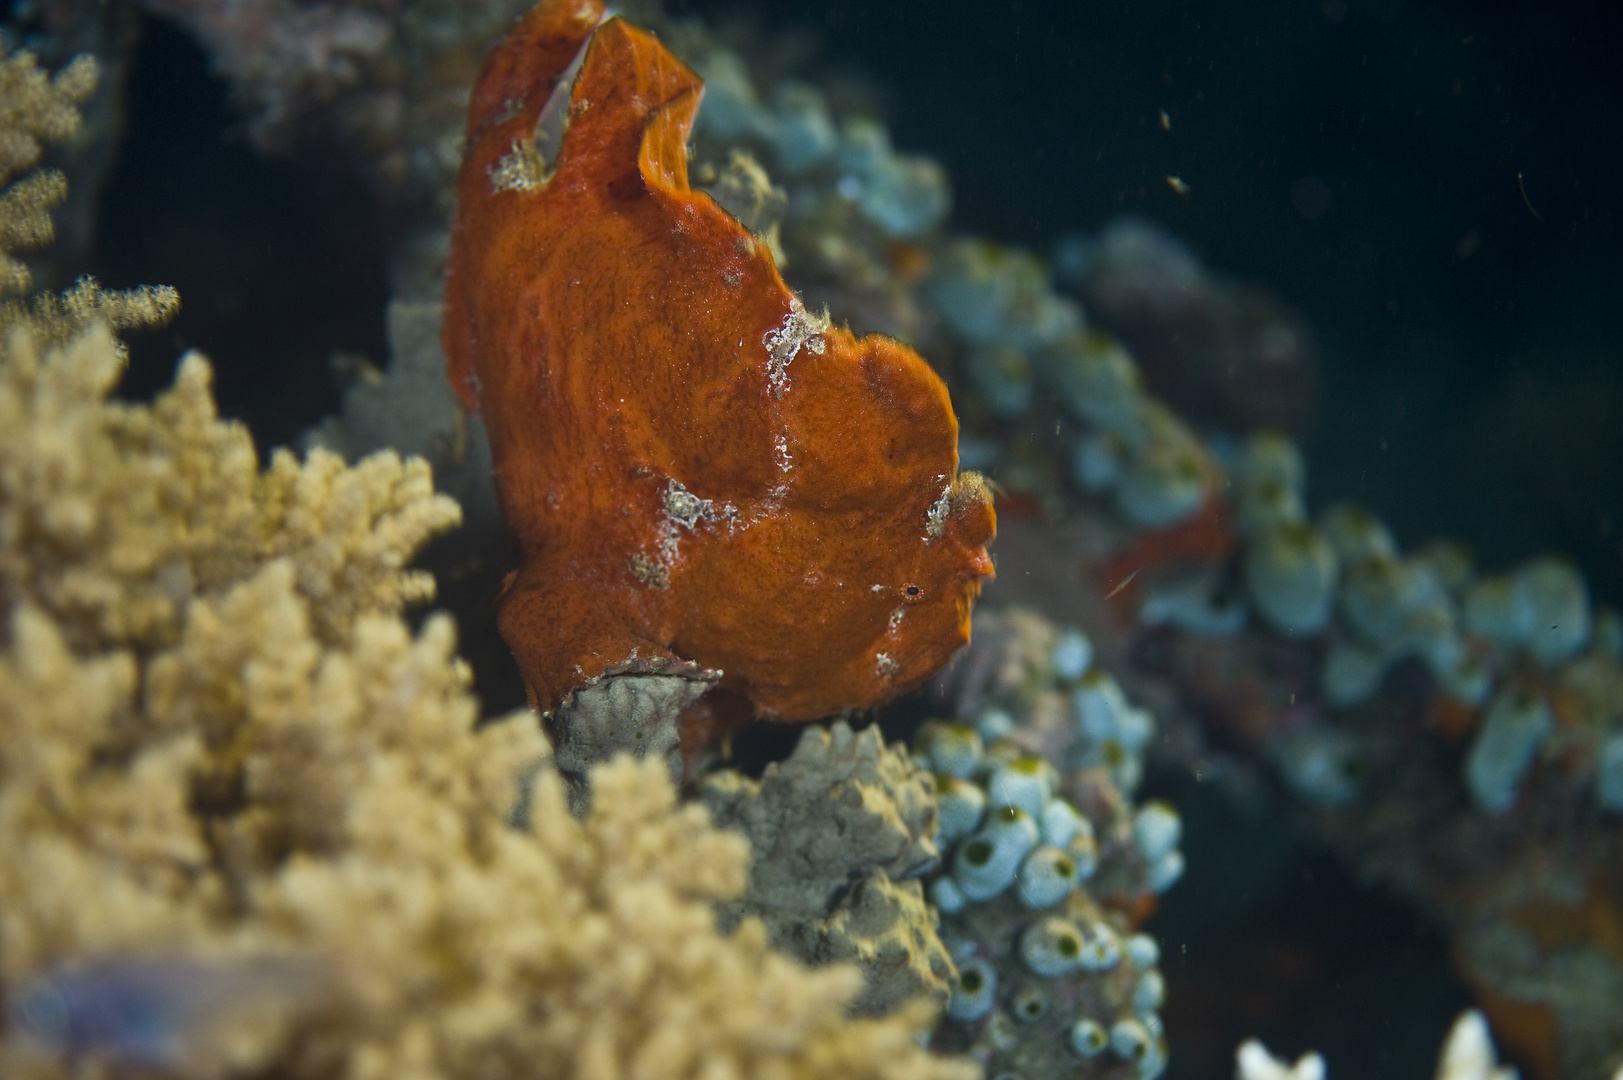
696 467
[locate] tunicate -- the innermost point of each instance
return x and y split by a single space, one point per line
1376 595
1156 830
975 992
1162 485
953 749
1318 764
960 806
1073 652
1164 872
1101 949
1026 782
1270 457
1085 850
1505 748
1095 378
903 194
1497 610
802 132
946 895
1559 602
987 862
1142 951
1097 702
730 107
1128 1039
1060 822
1150 992
1097 460
1088 1037
1355 534
1052 947
1290 572
1262 504
1030 1005
993 724
991 294
1046 877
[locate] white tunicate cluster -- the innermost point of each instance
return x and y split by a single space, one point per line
1022 863
903 196
1197 601
993 295
1543 607
1134 447
1010 848
1346 576
1111 732
1157 828
1393 607
1290 568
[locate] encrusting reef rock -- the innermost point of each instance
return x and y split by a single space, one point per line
841 832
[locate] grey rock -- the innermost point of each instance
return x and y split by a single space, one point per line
839 831
634 710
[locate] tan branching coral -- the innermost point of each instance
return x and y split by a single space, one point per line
35 109
236 788
112 517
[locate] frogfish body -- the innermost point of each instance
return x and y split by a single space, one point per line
696 468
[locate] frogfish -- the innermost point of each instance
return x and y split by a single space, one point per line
697 469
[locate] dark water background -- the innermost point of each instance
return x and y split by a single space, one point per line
1473 352
1471 337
